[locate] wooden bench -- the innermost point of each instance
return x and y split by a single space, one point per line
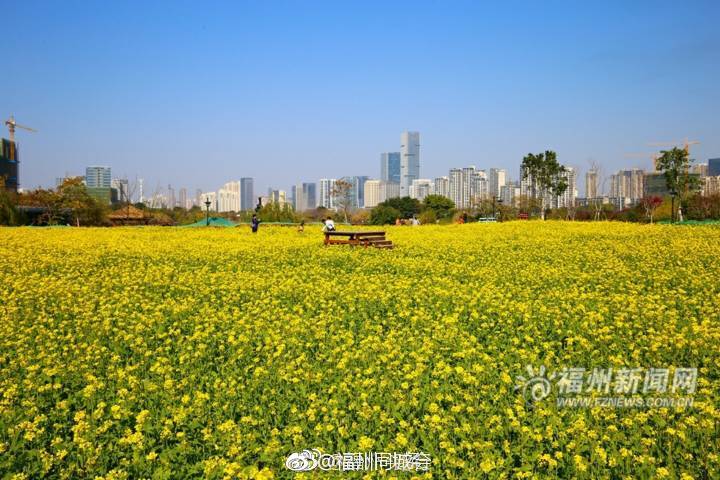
364 239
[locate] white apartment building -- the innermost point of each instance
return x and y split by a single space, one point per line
228 197
326 198
421 188
377 191
628 184
497 177
442 186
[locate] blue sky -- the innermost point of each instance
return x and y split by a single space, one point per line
198 93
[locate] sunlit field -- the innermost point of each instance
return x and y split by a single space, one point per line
215 353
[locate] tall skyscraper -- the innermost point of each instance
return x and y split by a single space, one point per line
442 186
327 198
455 186
171 197
390 167
247 194
496 180
591 184
98 177
310 195
228 197
357 191
713 167
373 195
409 160
98 180
9 165
182 198
567 199
377 191
629 184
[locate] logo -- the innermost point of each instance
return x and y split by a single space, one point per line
537 386
303 461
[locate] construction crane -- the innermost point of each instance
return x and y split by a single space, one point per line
12 125
685 143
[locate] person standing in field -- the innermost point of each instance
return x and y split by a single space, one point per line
301 227
254 223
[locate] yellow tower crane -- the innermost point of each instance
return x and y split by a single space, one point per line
12 125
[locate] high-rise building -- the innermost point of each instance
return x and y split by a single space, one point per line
296 197
510 193
591 184
278 197
9 162
373 193
304 196
455 186
409 160
567 199
700 168
228 197
442 186
421 188
392 190
390 167
120 190
326 194
141 191
98 181
479 188
171 197
357 191
209 197
182 198
98 177
467 186
713 167
710 185
247 194
628 184
496 180
377 191
309 191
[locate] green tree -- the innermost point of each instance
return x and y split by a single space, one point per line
545 175
442 207
384 215
675 166
85 209
407 206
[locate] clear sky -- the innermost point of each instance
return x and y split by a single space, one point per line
195 93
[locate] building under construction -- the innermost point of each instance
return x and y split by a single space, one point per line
9 165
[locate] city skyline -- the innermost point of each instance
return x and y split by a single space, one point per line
180 96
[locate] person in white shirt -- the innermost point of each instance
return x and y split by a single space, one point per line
329 225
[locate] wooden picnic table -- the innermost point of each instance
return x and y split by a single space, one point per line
364 238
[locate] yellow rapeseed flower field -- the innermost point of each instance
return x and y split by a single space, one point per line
214 353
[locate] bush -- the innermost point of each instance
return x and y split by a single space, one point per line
384 215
